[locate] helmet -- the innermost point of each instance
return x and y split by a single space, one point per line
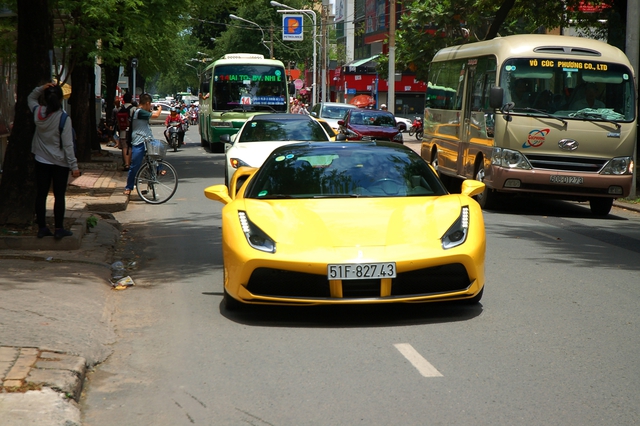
173 109
383 106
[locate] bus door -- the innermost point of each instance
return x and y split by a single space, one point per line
445 112
477 132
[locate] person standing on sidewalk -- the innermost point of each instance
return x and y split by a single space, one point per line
125 132
54 156
140 130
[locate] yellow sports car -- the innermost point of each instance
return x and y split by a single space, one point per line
349 222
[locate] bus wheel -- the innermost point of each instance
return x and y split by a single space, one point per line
216 148
487 198
600 206
434 159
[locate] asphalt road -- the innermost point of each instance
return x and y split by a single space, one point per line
554 341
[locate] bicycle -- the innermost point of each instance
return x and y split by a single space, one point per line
157 180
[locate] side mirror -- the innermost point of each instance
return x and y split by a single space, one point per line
341 137
471 187
340 122
495 97
218 193
314 114
225 138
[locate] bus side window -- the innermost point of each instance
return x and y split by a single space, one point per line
444 96
482 117
205 84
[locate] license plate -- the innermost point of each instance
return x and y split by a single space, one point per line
361 271
571 180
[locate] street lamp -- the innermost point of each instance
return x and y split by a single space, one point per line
305 11
198 72
237 18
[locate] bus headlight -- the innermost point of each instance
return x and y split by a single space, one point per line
509 159
618 166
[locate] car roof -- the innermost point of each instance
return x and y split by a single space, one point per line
280 117
374 111
341 146
339 104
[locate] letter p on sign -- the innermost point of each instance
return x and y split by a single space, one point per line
292 28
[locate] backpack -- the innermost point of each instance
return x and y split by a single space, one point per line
123 118
63 120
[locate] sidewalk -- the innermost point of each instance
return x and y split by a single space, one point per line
54 301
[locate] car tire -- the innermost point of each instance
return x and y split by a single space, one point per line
600 206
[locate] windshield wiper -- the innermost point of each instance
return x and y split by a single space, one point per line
590 114
340 196
274 197
546 114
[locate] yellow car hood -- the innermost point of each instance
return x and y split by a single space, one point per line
361 222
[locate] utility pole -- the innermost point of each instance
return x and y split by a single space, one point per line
325 45
391 79
632 50
271 44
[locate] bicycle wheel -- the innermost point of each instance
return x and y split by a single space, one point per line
156 182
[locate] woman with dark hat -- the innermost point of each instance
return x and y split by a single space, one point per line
54 155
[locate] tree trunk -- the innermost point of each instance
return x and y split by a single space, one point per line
83 109
501 15
35 40
110 73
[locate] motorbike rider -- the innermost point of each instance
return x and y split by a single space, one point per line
174 116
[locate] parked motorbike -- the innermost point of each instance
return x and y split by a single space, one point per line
175 128
417 128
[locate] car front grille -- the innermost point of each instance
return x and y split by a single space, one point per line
568 164
282 283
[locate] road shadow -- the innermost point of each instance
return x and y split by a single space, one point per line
352 316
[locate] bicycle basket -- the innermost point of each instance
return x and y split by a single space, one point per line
156 149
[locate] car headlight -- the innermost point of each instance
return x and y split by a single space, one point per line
457 234
236 162
256 237
618 166
510 159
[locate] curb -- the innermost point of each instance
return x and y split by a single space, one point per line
628 206
31 368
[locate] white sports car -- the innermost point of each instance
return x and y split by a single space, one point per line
263 133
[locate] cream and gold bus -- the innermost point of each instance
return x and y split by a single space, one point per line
535 114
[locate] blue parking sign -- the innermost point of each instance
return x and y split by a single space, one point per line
292 28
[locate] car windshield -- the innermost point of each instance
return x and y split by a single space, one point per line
344 170
568 88
372 118
306 130
334 112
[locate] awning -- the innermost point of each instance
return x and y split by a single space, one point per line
359 62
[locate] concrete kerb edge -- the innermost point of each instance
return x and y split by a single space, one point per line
58 371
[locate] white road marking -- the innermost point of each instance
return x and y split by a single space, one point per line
423 366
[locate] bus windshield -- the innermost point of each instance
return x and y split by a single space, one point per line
249 87
569 88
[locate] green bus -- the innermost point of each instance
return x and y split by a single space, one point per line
234 88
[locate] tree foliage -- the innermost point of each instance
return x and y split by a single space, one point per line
430 25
